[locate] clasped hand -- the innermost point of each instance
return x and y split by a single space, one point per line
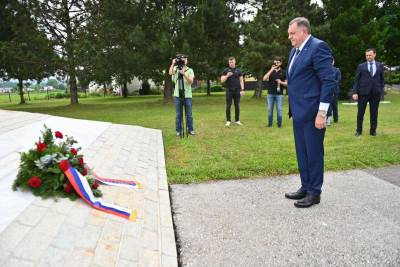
320 122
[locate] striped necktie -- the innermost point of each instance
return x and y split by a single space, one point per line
294 59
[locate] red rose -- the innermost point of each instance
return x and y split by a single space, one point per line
84 172
58 134
68 188
95 185
64 165
80 161
40 147
34 182
73 151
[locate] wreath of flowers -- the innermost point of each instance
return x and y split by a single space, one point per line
40 169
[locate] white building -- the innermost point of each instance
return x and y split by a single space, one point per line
133 87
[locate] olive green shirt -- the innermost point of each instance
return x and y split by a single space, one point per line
188 88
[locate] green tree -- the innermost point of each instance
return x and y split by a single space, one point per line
351 28
115 44
266 35
389 30
52 82
27 53
211 35
63 21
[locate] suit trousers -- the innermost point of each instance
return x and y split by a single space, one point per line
334 104
373 100
309 142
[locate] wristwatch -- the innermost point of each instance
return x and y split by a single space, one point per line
322 113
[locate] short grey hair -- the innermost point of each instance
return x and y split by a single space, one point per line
302 22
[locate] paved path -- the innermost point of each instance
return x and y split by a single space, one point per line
250 223
36 232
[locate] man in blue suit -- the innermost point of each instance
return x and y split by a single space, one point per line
368 87
333 109
311 85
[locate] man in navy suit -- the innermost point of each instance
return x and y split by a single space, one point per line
311 85
368 87
333 109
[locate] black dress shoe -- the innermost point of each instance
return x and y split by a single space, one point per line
373 133
308 201
296 195
357 133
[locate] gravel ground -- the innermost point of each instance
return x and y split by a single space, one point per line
250 223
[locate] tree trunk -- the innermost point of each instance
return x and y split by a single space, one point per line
258 90
208 87
105 89
125 90
69 47
73 89
167 87
21 91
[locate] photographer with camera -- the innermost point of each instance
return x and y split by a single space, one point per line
234 89
276 79
183 77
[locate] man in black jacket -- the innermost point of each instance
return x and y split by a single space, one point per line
368 87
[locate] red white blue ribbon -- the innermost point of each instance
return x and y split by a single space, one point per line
116 182
84 190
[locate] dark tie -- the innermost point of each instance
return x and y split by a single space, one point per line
371 70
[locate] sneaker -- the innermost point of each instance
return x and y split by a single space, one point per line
238 123
228 123
178 133
192 133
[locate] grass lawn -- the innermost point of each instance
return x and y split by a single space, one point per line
217 152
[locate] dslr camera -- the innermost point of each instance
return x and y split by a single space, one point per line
180 61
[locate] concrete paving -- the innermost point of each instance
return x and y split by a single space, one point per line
36 232
250 223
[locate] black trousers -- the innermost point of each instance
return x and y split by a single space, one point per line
235 95
373 100
333 108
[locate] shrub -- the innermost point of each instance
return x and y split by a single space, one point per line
392 78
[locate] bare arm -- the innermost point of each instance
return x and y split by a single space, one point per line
266 76
284 83
171 68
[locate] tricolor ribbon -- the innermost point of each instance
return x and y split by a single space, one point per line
116 182
83 189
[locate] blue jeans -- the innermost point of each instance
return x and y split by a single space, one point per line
271 100
187 103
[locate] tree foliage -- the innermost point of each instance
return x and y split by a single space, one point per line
26 53
266 35
117 40
63 21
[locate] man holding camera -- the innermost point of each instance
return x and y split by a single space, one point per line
276 78
183 96
234 89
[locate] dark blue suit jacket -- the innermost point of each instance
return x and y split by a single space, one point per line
310 80
364 84
338 77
